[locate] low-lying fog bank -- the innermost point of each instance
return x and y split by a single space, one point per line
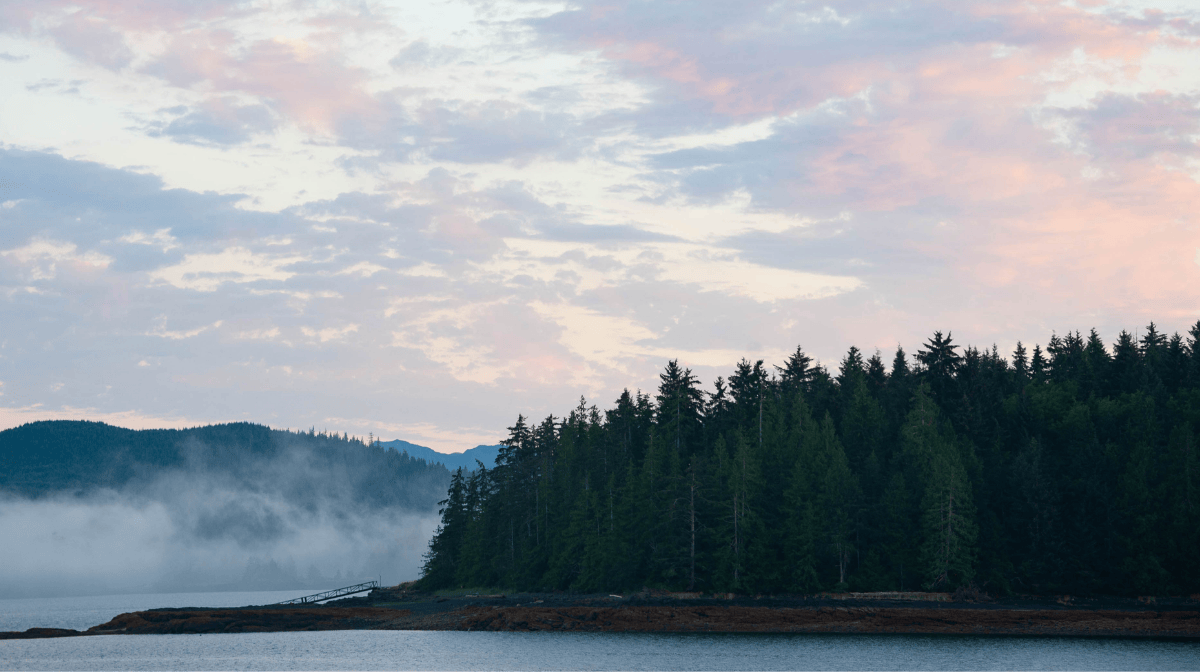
261 510
203 540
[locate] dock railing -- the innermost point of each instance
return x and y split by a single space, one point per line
332 594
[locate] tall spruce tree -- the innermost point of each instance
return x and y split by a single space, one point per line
948 527
1068 470
837 501
445 548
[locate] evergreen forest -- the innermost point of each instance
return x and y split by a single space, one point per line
1068 469
54 457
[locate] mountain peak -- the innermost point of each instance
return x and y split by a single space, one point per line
466 459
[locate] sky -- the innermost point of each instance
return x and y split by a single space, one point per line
419 219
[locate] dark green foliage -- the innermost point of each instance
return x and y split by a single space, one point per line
1073 468
75 457
442 559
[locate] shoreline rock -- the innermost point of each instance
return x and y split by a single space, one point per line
390 609
849 620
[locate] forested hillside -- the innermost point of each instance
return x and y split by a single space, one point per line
76 457
94 509
1069 469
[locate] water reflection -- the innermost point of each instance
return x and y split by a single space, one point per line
384 650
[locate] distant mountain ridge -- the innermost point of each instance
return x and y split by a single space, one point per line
452 461
42 458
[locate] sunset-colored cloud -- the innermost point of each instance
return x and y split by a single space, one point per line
424 219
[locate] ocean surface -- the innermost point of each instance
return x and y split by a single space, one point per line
81 613
384 650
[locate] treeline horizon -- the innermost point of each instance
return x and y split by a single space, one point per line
45 457
1071 469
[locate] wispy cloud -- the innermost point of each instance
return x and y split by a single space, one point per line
207 272
425 218
160 330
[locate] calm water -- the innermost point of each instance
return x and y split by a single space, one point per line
374 650
380 650
81 613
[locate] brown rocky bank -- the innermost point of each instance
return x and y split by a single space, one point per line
399 608
849 619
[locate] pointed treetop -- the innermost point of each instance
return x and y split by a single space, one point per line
1095 345
797 371
1125 346
876 372
852 366
1037 363
1020 359
939 357
899 364
1153 339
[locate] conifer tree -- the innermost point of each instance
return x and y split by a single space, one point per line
800 500
1036 515
876 375
1125 372
948 517
898 522
796 373
1153 348
1020 363
1069 470
1095 365
1180 494
698 486
941 362
852 368
445 548
680 405
1037 365
838 500
1193 351
863 425
1175 364
949 525
742 528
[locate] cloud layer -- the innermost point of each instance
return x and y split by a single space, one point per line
419 221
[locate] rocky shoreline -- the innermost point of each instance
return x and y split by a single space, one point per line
398 608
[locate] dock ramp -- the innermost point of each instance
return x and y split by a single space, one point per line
332 594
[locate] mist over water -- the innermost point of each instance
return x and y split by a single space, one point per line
108 544
275 522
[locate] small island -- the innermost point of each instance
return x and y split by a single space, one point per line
405 607
1068 470
1053 492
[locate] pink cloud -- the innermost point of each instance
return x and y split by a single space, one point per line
742 64
94 40
311 86
928 118
305 83
946 132
304 80
1156 125
117 15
